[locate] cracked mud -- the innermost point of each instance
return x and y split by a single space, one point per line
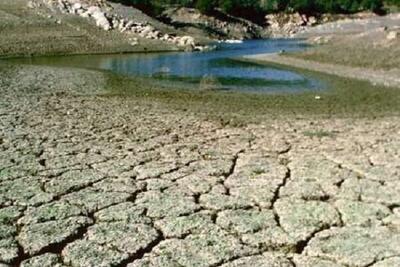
109 181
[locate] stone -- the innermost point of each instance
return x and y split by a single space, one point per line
392 35
101 20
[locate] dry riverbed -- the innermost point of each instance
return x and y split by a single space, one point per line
93 177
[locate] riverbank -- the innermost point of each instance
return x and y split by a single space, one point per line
364 49
389 78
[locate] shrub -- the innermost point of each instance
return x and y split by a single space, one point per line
205 6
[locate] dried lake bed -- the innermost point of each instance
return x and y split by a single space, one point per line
133 177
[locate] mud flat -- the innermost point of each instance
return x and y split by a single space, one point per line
103 170
94 176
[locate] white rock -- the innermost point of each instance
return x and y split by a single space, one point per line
31 4
186 41
76 6
392 35
134 41
84 14
101 20
93 9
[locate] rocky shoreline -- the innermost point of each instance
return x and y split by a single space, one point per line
107 20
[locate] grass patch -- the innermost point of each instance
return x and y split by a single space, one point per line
258 171
319 133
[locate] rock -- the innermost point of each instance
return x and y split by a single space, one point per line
312 21
31 4
101 20
186 41
93 9
134 41
75 7
392 35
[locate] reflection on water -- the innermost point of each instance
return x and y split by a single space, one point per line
214 69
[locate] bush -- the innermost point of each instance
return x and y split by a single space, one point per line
205 6
256 9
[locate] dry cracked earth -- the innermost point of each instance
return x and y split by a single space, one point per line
98 181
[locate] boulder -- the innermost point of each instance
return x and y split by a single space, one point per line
186 41
101 20
75 7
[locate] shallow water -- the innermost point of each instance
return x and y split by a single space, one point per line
203 70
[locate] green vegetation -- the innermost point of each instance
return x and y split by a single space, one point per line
318 133
256 9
